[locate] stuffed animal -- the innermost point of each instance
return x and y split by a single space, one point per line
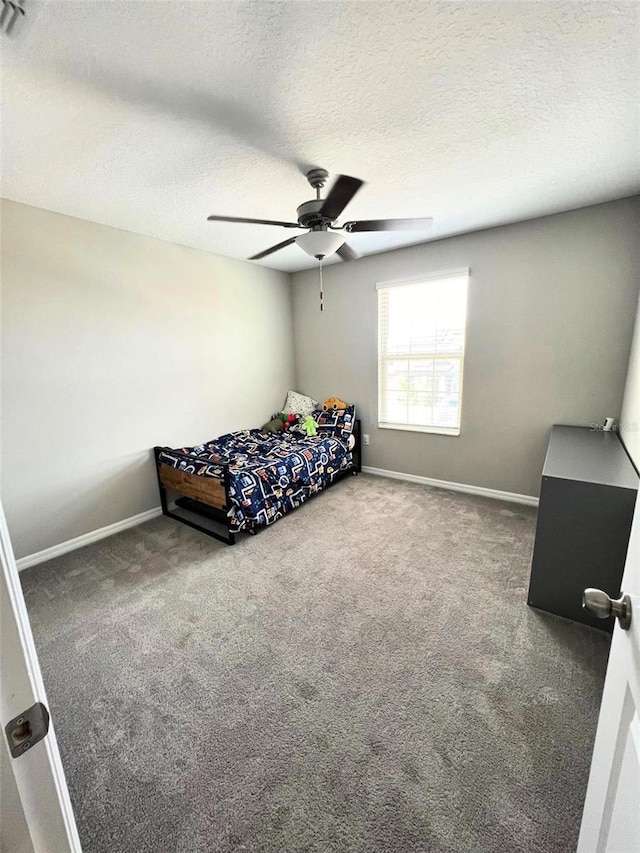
334 403
274 425
310 426
289 420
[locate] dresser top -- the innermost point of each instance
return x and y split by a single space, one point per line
589 455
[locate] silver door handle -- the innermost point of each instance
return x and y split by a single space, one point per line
598 602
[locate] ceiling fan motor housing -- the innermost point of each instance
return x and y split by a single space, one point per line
309 216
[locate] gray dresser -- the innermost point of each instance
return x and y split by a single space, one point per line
587 499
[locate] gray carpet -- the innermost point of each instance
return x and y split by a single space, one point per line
364 676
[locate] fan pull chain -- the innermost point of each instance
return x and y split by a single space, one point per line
321 293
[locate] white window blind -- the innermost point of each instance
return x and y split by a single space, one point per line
421 336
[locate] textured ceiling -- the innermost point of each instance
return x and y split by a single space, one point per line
148 116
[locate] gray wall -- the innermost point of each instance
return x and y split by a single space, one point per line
112 343
551 309
630 418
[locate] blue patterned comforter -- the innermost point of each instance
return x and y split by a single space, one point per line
268 474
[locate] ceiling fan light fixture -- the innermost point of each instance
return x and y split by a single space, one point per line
319 244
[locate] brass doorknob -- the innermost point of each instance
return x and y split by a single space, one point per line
601 605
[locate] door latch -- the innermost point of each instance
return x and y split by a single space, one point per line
27 729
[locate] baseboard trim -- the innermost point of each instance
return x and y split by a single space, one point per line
86 539
512 497
134 520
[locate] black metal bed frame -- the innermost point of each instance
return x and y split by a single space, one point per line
220 516
197 507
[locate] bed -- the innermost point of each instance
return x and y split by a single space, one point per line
248 479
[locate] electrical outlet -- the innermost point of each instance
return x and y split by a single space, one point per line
365 439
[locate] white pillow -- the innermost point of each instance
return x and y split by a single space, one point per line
300 404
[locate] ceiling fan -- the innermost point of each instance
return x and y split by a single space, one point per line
319 216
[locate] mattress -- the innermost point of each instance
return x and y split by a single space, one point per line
268 474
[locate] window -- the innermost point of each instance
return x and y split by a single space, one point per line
421 352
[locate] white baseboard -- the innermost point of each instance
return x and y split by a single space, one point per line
134 520
86 539
529 500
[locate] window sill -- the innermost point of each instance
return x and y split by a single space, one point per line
413 428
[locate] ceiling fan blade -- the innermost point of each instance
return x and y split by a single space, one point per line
388 225
346 253
252 221
339 196
272 249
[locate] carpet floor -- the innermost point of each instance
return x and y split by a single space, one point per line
363 677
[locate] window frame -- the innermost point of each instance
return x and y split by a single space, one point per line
463 272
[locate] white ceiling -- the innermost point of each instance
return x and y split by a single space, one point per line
149 115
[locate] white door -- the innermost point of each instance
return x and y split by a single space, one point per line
36 812
611 819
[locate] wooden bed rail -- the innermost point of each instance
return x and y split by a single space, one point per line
204 496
